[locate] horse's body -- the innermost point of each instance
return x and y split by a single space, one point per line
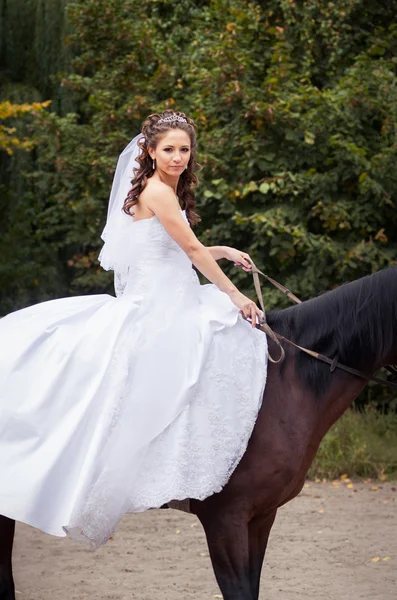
358 323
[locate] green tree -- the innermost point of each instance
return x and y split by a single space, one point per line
298 127
296 108
9 140
32 50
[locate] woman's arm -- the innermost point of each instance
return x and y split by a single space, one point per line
161 200
217 252
240 259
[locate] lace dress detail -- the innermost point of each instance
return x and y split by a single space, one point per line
147 397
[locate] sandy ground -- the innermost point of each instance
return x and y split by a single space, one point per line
335 541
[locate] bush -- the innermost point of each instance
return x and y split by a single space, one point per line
360 444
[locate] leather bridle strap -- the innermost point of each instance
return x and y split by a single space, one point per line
263 323
255 272
334 364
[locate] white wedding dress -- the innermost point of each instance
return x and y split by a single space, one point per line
114 405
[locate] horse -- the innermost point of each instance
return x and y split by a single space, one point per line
357 323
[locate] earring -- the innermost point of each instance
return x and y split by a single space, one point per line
154 165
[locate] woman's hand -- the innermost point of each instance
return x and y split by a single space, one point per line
247 307
240 259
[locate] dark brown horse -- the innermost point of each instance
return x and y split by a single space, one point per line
356 322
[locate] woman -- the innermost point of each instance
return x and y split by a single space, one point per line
115 405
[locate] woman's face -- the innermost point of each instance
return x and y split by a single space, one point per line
172 152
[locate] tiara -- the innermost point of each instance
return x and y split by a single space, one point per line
172 118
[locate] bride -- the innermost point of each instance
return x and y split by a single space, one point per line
110 405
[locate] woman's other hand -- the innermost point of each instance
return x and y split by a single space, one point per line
247 307
240 259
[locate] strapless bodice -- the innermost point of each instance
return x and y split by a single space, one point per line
155 260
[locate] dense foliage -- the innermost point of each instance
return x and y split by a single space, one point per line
8 138
296 107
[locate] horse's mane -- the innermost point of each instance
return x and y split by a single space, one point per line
357 322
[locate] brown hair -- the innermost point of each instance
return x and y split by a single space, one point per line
152 131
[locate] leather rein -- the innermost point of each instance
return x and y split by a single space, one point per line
277 338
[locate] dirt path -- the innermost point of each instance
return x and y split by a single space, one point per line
333 542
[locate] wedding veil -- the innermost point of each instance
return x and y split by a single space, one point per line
113 255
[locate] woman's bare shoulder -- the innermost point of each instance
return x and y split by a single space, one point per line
156 189
149 198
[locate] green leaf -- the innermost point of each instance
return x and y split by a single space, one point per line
264 188
310 138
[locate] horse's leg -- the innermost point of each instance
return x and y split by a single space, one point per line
258 535
227 538
7 530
